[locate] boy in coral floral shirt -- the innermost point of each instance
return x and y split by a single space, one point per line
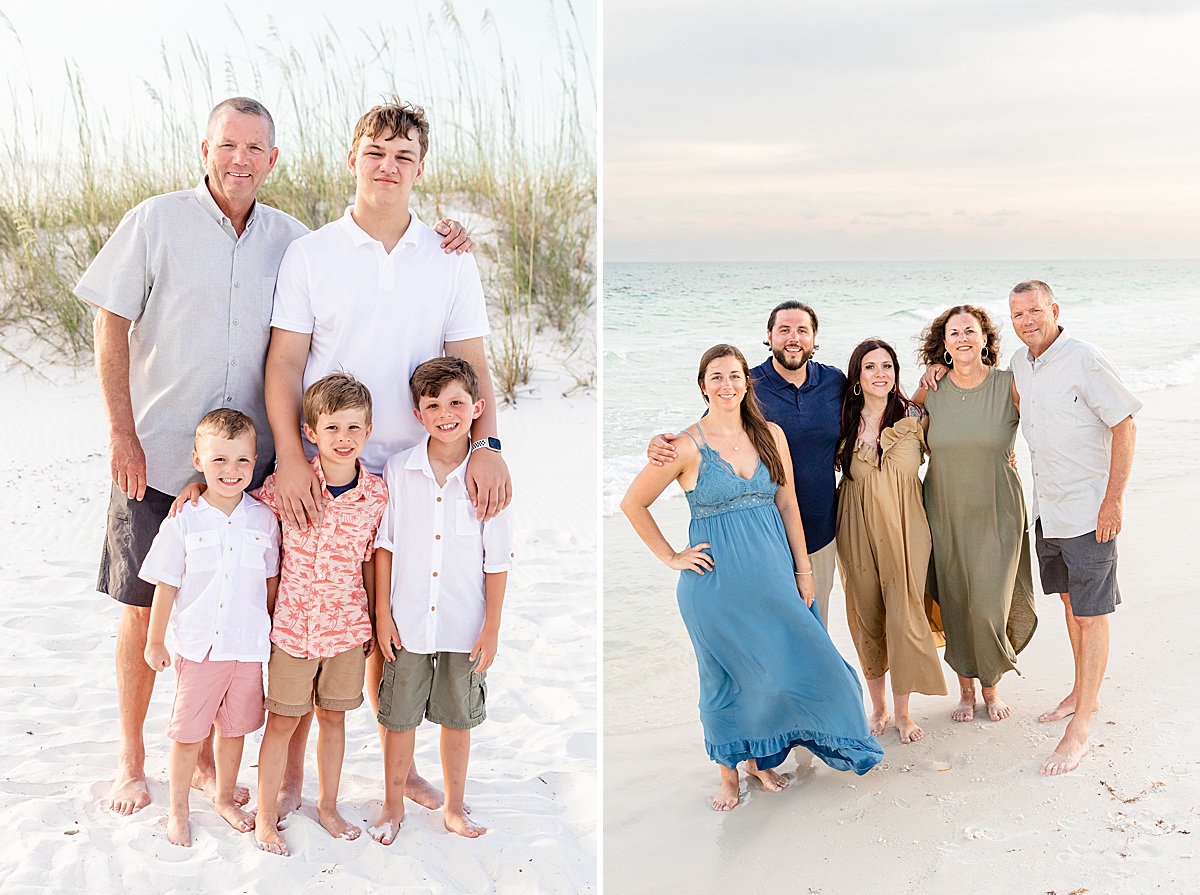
321 632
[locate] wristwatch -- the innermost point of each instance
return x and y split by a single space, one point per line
492 444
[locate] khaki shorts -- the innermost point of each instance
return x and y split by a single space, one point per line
441 687
334 683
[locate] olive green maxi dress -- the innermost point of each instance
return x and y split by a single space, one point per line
980 571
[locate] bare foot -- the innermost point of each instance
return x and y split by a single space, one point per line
997 708
879 721
266 835
965 710
178 829
205 780
288 801
235 817
128 794
338 826
726 798
771 781
462 825
387 825
1065 757
909 731
1064 709
425 793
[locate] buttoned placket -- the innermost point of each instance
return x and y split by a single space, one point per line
440 505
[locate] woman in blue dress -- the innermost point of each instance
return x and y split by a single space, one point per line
770 678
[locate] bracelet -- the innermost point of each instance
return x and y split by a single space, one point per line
809 572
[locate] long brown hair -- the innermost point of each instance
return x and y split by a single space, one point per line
932 349
753 421
852 405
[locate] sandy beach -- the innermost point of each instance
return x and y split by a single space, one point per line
964 809
533 771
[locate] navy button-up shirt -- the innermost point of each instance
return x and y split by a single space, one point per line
811 419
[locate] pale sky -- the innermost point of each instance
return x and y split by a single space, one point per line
118 47
901 129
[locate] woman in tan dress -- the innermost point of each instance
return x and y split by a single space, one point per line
883 540
980 573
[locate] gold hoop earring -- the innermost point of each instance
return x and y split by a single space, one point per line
949 360
856 389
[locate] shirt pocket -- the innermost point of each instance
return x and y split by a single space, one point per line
254 550
268 300
203 551
465 523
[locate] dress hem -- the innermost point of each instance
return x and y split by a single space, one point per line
840 753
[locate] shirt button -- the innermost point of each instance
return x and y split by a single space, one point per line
435 574
235 322
437 537
233 362
433 609
237 285
439 500
229 397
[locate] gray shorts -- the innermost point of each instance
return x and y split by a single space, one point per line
1080 566
441 687
132 525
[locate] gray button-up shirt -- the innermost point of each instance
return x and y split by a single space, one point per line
1071 397
200 301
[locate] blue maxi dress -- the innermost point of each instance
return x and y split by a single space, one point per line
770 677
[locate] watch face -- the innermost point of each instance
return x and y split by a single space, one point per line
493 443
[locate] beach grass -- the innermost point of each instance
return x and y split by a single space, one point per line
514 162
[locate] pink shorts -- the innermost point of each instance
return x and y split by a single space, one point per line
230 693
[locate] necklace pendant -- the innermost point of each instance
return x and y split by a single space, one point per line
736 448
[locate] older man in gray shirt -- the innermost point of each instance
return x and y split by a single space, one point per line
1078 420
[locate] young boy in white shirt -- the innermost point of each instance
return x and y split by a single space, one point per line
437 608
215 567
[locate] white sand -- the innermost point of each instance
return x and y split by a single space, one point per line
964 810
533 771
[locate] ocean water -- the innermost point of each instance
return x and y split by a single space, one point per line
659 318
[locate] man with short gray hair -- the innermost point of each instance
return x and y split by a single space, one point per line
1078 420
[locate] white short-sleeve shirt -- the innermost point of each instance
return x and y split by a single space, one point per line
1071 397
220 565
441 552
377 315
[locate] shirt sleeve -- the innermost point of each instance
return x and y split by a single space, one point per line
385 536
468 309
164 563
268 495
292 307
1105 394
119 278
499 551
275 540
377 523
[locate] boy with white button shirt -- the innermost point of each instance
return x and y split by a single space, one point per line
437 609
216 564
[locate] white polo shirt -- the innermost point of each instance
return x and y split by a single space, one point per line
1071 397
220 565
377 316
441 552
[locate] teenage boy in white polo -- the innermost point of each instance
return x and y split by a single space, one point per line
372 294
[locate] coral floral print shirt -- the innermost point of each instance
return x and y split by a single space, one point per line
321 607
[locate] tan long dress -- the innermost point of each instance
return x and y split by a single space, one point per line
883 549
980 572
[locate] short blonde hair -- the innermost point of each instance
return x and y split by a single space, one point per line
395 118
337 391
225 422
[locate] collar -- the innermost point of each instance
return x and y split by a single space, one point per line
213 210
1056 347
360 237
204 507
358 492
772 377
418 459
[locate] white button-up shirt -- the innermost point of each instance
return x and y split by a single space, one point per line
378 314
441 553
220 565
1071 398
